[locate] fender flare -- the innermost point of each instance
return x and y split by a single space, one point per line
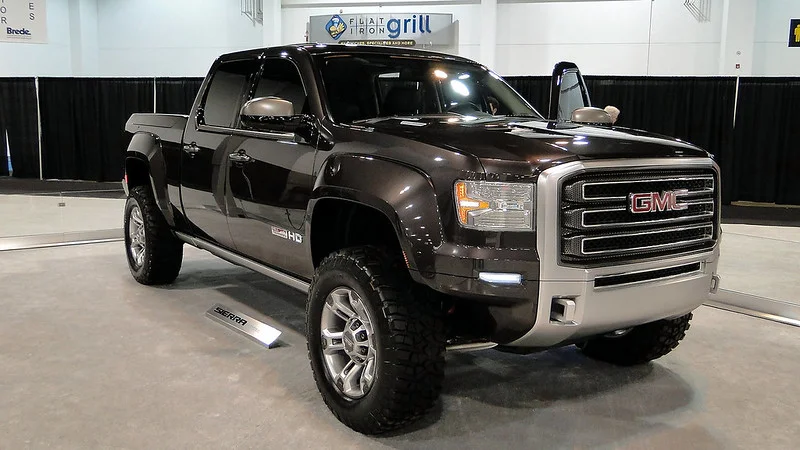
146 147
404 194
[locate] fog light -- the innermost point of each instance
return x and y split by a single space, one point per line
500 278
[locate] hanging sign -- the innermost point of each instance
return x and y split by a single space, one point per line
794 33
23 21
399 29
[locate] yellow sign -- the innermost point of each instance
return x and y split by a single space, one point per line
794 33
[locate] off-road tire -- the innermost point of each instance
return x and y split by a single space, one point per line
641 344
163 252
410 340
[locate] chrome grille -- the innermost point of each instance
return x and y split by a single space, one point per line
598 225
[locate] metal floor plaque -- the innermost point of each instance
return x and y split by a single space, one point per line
241 322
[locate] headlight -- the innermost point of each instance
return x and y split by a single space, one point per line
488 205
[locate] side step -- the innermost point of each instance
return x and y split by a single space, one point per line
296 283
239 260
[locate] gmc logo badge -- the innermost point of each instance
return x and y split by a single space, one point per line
653 201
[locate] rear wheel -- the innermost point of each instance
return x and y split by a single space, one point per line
376 350
639 344
154 253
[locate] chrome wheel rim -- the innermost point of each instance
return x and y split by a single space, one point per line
136 239
348 343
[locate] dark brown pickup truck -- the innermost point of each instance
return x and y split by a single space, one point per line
424 205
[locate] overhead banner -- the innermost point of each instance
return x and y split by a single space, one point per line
405 30
23 21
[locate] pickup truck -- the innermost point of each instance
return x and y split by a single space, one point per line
423 205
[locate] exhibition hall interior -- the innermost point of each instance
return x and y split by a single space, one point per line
400 224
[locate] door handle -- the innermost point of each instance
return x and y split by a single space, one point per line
192 149
241 157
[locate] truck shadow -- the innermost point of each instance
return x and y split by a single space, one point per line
558 397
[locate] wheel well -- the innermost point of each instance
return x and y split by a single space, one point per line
136 172
340 224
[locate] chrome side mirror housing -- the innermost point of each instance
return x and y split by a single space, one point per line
267 113
591 116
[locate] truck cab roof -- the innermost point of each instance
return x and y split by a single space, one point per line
320 49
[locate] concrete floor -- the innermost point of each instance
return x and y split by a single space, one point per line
26 215
762 261
90 359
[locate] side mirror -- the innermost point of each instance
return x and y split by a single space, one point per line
591 116
268 114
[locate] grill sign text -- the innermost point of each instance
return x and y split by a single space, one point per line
654 202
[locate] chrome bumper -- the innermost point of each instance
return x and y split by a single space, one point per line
571 307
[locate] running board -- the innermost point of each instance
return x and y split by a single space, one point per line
471 346
239 260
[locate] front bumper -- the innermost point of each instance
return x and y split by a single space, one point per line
558 304
601 310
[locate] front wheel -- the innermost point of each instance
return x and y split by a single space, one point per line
640 344
154 253
376 350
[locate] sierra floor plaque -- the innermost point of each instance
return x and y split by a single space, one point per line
245 324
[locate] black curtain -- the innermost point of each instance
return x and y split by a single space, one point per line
766 141
83 124
18 118
176 95
536 90
694 109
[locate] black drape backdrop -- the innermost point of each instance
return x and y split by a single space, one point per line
83 121
18 118
696 109
83 124
766 141
536 91
176 95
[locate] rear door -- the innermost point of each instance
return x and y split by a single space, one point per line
567 92
206 144
270 178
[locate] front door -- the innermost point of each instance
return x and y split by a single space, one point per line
206 145
271 179
567 92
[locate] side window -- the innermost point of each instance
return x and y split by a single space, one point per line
224 95
281 79
571 97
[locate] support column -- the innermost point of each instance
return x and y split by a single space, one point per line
272 23
84 51
738 36
488 42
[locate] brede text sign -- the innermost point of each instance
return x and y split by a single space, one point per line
23 21
383 29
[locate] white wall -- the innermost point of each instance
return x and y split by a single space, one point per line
608 38
170 37
772 54
182 37
51 59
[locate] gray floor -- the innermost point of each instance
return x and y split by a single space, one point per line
90 359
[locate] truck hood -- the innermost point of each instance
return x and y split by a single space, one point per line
531 141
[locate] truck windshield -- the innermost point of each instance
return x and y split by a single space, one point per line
364 86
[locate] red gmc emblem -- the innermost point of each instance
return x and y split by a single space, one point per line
653 201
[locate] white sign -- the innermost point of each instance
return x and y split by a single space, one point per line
23 21
401 29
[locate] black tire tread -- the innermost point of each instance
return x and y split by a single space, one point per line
164 251
416 336
642 344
